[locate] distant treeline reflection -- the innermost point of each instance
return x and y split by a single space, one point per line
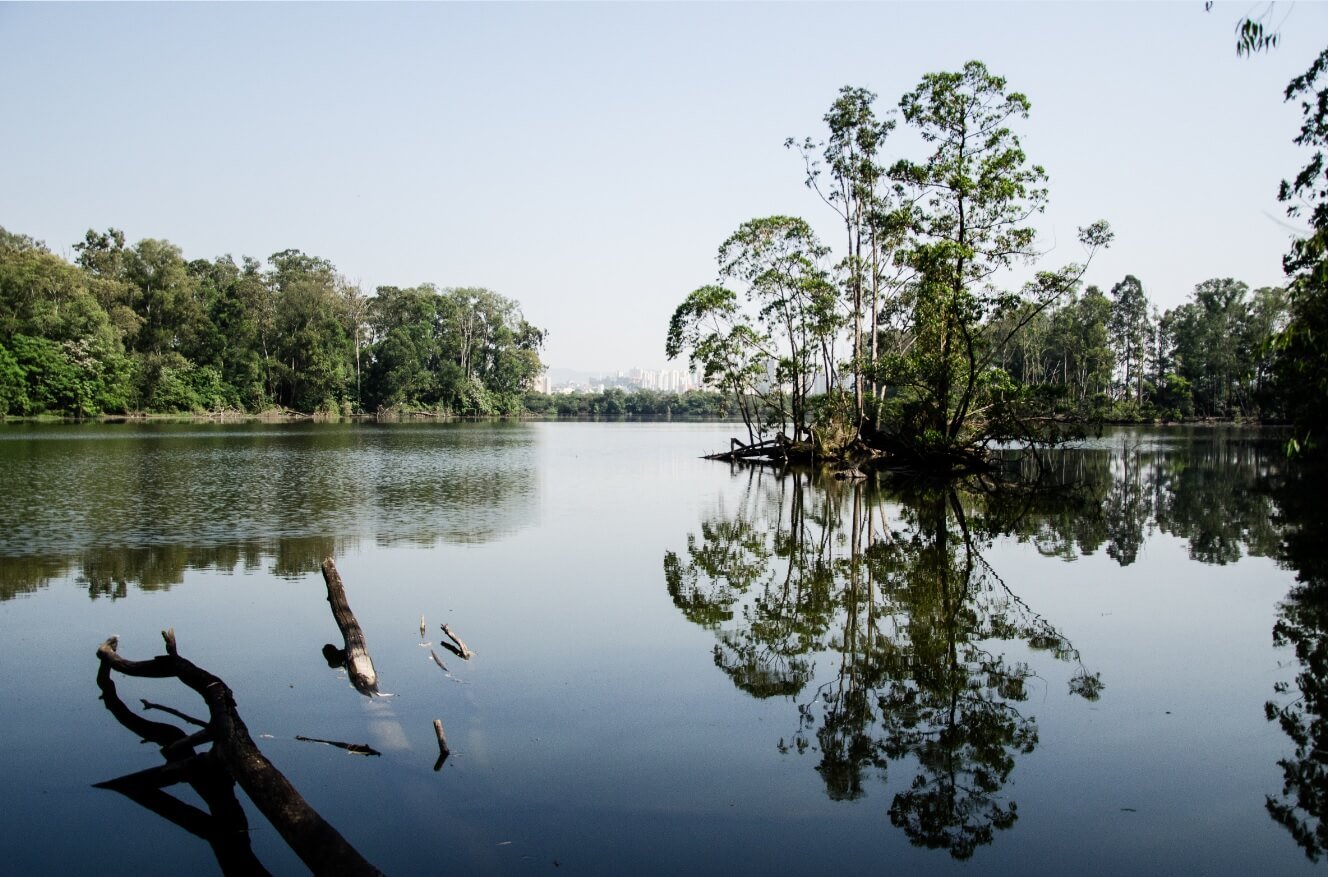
109 572
140 508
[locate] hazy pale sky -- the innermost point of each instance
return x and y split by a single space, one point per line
588 159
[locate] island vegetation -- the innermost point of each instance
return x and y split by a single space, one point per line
938 334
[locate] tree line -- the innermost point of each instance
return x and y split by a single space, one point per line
128 328
935 334
1114 356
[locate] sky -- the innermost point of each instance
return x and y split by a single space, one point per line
588 159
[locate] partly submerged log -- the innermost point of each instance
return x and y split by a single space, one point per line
443 749
770 449
223 824
359 666
460 649
352 748
309 836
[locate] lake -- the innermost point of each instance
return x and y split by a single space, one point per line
680 666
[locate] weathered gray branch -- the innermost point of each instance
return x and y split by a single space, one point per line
461 650
359 666
443 750
354 748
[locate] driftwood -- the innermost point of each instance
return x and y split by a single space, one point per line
197 723
223 825
354 748
443 750
355 656
768 449
233 758
461 650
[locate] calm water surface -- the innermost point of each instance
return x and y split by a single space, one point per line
681 666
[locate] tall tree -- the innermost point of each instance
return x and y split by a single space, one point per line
856 191
312 349
1130 328
721 344
778 261
971 201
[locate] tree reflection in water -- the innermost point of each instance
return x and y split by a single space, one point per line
894 589
1302 712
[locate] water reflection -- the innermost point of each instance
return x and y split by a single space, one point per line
113 506
1300 707
1210 489
880 615
107 572
894 591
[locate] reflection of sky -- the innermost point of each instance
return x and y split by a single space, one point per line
593 727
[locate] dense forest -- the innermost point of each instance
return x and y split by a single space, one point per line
1113 355
141 329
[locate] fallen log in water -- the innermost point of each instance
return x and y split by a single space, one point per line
359 666
768 449
461 650
234 752
443 750
353 748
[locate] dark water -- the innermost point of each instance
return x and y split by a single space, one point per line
681 667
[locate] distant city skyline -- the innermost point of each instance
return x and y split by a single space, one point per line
676 380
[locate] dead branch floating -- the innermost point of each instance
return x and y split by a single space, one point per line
317 843
148 705
443 750
434 655
461 650
359 666
356 748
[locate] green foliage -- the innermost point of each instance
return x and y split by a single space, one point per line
468 351
946 362
139 327
792 309
971 200
1130 329
1303 346
640 405
13 384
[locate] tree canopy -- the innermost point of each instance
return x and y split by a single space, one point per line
138 327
